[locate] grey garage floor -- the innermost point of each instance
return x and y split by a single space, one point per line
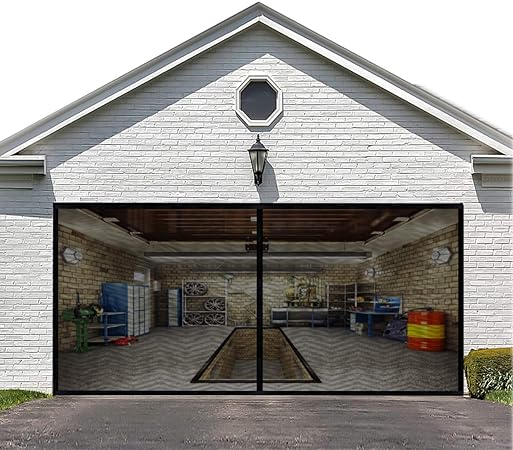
345 361
164 359
256 422
168 358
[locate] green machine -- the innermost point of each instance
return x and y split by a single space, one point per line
81 316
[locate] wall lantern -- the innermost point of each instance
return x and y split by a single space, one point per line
258 156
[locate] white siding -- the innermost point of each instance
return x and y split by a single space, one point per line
177 139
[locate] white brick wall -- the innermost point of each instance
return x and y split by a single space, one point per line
177 139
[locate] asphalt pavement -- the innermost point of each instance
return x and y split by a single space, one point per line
256 422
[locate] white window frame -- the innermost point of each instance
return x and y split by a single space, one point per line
279 101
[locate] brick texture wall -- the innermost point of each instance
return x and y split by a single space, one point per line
177 139
100 264
407 271
410 272
241 289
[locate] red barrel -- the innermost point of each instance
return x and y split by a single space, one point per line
426 331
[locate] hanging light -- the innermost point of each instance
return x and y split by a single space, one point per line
258 156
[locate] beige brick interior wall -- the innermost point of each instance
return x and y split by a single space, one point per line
407 271
410 272
241 289
100 264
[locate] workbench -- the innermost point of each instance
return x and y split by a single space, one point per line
370 318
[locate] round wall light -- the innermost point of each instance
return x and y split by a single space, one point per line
441 255
370 272
71 256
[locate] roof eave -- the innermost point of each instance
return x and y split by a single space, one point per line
259 13
24 165
494 171
18 172
395 85
129 81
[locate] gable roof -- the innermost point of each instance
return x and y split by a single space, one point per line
259 13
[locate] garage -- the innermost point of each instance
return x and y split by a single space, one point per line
256 210
272 299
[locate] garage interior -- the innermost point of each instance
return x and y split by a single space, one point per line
165 298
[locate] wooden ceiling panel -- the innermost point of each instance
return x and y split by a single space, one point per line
206 224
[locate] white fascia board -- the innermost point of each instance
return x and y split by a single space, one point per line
122 85
492 164
414 95
17 172
259 13
494 171
23 165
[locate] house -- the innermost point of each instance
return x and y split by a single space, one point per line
136 215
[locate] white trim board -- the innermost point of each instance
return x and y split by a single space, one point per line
18 171
259 13
23 165
495 171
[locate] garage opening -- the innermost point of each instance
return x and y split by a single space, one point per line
245 298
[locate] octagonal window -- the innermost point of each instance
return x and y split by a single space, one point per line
259 101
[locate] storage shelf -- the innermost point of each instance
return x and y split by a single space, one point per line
99 326
102 340
340 296
127 309
192 300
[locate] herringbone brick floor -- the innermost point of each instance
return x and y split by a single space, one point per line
168 358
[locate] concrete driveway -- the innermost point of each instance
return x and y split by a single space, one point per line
256 422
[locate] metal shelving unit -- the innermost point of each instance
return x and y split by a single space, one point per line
341 297
134 301
104 325
361 301
174 307
204 303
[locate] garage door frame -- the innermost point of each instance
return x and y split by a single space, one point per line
260 207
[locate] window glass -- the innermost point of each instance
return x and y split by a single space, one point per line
258 100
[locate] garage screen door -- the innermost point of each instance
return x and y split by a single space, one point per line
241 298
